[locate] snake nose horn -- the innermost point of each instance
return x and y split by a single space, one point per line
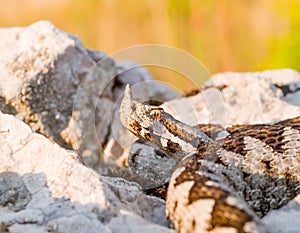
126 106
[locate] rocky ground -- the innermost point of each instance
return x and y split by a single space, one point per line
59 100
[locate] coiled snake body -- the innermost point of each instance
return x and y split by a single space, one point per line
222 185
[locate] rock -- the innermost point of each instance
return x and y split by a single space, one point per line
241 98
143 86
285 219
13 192
45 188
40 75
64 91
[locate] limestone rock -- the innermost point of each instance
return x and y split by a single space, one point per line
45 188
62 90
41 72
241 98
285 219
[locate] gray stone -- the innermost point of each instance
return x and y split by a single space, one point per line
41 72
241 98
64 91
46 188
285 219
13 193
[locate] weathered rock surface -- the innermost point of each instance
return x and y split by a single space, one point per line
44 188
242 98
285 219
63 90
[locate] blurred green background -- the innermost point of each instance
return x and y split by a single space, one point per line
236 35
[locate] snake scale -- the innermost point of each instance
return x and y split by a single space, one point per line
222 185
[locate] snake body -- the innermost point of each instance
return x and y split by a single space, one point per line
222 185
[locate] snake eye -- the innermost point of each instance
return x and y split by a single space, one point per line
156 113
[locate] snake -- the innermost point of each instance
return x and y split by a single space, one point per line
220 184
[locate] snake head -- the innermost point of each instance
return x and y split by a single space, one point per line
156 126
140 119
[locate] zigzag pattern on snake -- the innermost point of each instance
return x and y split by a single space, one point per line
222 185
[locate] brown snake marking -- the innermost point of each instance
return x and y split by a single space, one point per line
222 185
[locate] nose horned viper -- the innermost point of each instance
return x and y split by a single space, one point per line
222 185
